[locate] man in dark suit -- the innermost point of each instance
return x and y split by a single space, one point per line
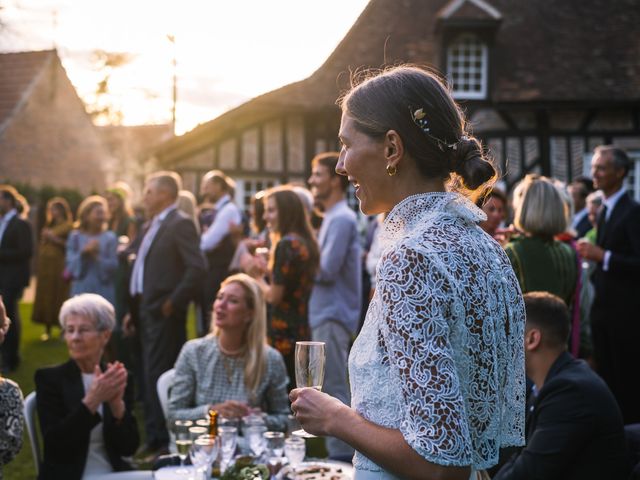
615 314
166 275
574 430
16 249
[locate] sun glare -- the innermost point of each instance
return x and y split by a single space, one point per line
226 52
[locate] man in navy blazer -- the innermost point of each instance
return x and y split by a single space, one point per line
574 430
166 275
16 249
615 314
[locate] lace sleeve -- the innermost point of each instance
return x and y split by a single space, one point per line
416 299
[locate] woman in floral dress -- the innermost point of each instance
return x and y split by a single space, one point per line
292 264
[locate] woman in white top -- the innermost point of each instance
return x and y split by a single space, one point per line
437 372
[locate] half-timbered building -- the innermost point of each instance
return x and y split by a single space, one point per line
543 82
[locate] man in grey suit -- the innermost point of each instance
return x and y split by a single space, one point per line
166 276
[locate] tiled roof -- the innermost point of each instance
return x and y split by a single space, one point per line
18 72
544 51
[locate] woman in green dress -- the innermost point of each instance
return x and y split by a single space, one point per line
541 262
51 287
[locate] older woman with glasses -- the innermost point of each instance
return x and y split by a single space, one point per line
85 407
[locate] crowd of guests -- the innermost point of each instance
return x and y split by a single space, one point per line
438 369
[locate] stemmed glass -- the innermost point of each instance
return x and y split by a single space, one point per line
228 438
295 449
309 364
255 439
183 441
274 446
204 452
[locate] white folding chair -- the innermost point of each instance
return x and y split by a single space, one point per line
162 387
32 428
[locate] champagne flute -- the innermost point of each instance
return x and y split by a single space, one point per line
309 365
183 440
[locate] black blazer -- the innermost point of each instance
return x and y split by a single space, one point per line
174 266
584 225
575 430
16 250
617 289
66 424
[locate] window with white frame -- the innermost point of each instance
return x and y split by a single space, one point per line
248 187
467 66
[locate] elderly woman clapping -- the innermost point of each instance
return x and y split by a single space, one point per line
84 406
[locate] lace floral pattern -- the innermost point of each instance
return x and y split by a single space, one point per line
440 356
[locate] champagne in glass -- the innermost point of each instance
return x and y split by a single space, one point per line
309 364
182 446
183 439
310 360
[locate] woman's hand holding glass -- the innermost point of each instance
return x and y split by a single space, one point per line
316 411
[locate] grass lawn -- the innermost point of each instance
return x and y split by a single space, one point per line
36 354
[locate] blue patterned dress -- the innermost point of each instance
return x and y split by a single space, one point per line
440 356
93 275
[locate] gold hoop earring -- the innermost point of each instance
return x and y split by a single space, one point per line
391 170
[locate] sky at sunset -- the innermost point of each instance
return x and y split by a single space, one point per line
227 51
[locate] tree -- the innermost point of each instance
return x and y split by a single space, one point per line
100 105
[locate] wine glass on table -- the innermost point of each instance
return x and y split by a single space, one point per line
274 448
183 441
255 439
228 438
309 365
203 452
295 449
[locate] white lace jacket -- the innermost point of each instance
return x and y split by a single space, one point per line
440 356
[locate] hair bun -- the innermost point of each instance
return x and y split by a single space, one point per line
471 164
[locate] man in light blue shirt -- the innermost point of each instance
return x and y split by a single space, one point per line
217 241
334 306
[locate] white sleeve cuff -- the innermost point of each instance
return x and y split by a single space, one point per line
605 260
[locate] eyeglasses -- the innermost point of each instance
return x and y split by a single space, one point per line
82 331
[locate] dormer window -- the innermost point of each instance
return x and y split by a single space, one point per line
467 66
